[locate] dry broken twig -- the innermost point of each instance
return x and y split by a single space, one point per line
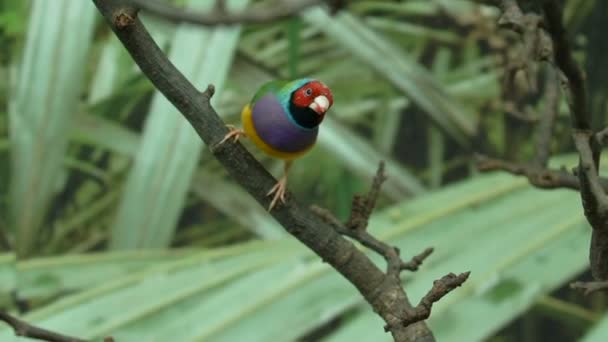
356 229
25 329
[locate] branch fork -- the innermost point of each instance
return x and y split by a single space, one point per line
356 229
593 189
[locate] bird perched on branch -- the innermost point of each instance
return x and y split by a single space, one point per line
283 120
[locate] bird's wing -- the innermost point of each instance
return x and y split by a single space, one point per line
268 87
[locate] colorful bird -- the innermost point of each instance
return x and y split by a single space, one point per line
283 120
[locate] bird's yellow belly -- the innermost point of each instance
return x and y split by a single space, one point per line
255 138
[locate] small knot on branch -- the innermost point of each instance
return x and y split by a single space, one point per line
209 92
417 260
124 18
363 206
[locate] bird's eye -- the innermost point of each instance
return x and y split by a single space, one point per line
308 91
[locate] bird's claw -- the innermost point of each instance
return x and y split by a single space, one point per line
279 190
235 134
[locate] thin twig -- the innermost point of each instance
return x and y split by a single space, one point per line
417 260
355 228
25 329
540 177
440 288
363 206
390 254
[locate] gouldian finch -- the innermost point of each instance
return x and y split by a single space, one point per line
283 120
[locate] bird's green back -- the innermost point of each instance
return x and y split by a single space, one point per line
281 88
268 87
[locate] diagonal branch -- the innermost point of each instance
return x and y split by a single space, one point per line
387 297
391 254
539 177
25 329
355 228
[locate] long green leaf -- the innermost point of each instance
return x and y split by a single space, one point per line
48 87
235 202
363 159
405 74
158 183
519 232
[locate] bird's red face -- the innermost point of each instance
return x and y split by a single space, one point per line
314 95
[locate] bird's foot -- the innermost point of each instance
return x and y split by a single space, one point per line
235 134
279 191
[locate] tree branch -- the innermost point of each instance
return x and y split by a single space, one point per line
417 260
592 189
24 329
540 177
386 297
562 55
440 288
588 144
355 228
547 121
219 15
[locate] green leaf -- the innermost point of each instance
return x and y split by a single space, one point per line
527 242
363 159
294 26
157 185
236 203
405 74
100 132
37 127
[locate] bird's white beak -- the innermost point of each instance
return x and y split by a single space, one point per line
320 104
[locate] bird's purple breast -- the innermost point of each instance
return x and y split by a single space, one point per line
274 127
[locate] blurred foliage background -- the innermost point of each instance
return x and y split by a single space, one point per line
115 219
